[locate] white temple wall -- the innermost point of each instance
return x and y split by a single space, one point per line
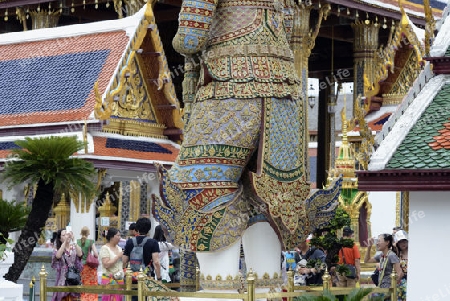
78 220
13 194
428 263
383 211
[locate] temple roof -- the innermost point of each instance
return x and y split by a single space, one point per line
47 87
427 144
414 146
51 81
414 8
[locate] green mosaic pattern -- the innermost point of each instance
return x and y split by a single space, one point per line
415 151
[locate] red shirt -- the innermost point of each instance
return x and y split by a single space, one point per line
350 255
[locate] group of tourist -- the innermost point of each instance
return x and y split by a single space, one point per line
391 255
69 254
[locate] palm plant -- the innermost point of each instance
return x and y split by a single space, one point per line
13 217
49 163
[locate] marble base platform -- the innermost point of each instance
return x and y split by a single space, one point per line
10 291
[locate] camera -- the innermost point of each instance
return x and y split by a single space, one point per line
118 275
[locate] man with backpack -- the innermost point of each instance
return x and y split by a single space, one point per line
142 252
311 255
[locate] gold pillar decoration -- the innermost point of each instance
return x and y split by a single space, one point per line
430 26
22 17
62 212
364 48
118 189
303 39
135 200
44 18
106 210
133 6
118 8
405 210
365 133
402 210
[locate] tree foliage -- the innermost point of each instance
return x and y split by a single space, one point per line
51 159
326 238
13 217
50 163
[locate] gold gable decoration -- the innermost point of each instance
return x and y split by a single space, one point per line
384 61
130 96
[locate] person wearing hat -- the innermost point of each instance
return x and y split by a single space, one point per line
351 257
310 253
401 240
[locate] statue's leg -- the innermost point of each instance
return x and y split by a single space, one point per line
203 209
261 243
262 251
224 262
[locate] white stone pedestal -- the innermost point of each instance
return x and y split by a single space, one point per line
10 291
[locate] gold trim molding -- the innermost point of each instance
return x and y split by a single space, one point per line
237 282
135 128
219 282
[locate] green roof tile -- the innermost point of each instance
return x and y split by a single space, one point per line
415 152
447 52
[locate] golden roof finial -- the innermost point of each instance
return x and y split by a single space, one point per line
404 19
344 149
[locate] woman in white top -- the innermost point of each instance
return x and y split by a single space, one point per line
164 248
111 258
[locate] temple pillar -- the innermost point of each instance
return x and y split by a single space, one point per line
364 48
323 136
302 42
62 212
106 210
41 18
134 195
132 201
402 210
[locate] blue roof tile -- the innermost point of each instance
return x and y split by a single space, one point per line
140 146
383 120
53 83
8 145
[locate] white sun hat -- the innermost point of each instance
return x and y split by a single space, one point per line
400 235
